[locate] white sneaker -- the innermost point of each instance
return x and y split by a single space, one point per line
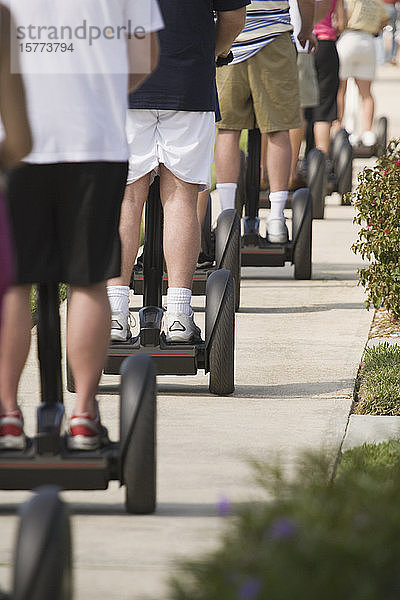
179 328
368 138
354 139
277 232
120 327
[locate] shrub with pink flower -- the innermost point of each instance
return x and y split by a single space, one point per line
377 201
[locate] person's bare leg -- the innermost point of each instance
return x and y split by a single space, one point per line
181 228
227 163
129 227
279 156
368 104
322 135
296 138
89 311
15 341
227 156
341 102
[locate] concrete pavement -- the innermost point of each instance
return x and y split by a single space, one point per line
298 348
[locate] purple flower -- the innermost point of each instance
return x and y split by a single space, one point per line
282 529
224 506
249 589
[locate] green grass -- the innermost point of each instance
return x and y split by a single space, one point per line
379 382
385 455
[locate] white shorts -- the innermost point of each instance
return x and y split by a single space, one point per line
357 56
181 140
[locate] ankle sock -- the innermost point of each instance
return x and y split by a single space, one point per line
226 195
278 202
118 296
178 300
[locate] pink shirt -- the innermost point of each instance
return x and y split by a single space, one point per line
324 30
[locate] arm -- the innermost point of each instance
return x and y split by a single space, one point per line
17 142
339 18
229 24
322 8
307 10
143 54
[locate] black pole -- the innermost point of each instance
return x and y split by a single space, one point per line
153 259
253 173
49 343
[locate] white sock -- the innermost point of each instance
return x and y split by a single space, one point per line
178 300
118 296
226 195
278 202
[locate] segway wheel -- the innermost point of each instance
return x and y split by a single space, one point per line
138 434
344 170
220 332
207 245
381 135
227 248
240 199
43 558
340 138
316 181
302 233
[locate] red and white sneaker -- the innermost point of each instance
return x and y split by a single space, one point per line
12 435
86 433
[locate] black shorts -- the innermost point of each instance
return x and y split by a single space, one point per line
65 220
327 67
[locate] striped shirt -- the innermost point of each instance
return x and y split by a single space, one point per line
265 20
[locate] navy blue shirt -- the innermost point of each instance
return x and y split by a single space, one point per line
185 77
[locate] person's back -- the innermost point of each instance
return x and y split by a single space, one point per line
65 201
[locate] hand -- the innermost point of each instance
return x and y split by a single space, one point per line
305 37
223 54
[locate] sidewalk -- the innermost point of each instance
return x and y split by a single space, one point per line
298 348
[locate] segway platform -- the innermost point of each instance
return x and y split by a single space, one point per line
214 355
256 250
47 460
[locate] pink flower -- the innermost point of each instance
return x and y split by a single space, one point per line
397 163
386 231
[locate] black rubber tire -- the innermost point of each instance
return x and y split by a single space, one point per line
228 252
316 177
207 245
221 347
138 435
43 558
344 170
240 199
381 135
337 142
302 231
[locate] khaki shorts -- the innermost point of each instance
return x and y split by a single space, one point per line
308 83
262 90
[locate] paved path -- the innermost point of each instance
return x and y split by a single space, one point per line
298 348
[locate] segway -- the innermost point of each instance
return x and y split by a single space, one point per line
340 179
354 126
46 458
221 244
215 355
43 556
256 250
